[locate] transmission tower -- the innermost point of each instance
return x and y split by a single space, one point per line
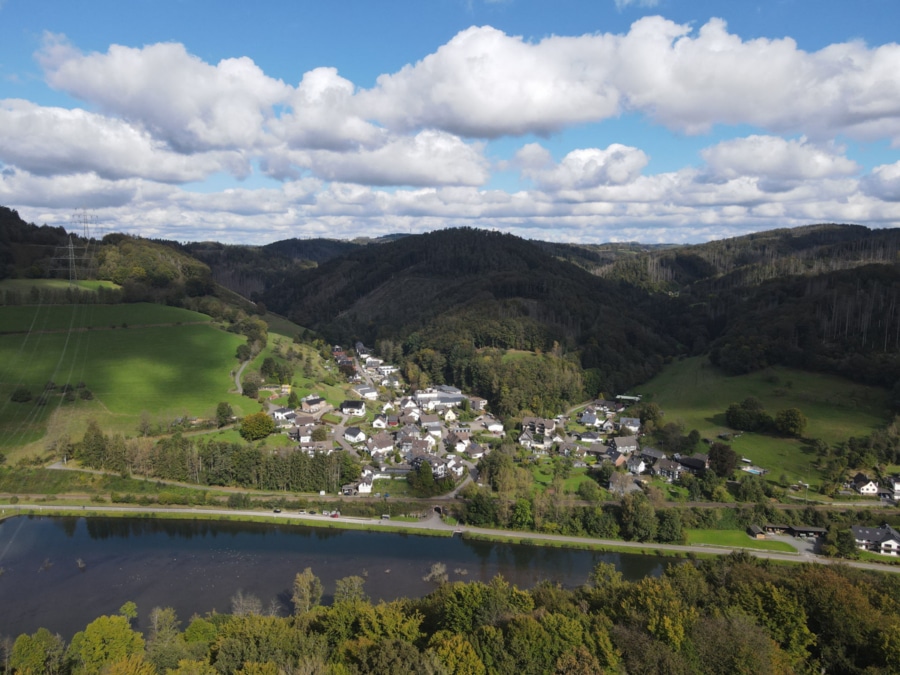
76 259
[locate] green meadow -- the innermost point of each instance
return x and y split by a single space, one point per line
737 539
694 392
166 363
25 285
37 318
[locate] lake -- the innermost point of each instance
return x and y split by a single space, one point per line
61 573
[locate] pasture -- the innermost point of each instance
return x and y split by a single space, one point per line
737 539
166 363
25 285
696 394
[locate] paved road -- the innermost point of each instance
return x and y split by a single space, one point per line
434 523
237 376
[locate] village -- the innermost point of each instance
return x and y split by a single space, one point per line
393 431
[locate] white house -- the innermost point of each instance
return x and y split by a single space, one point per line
630 424
354 435
884 539
353 408
636 465
366 392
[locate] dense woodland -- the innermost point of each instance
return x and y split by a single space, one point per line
728 615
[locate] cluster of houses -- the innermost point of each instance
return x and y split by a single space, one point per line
889 488
422 428
603 419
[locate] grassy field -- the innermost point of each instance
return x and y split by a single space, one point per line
164 371
695 393
736 538
92 317
515 355
281 326
26 285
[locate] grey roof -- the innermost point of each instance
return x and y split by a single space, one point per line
874 535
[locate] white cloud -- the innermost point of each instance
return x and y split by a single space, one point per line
50 141
622 4
692 82
584 168
176 96
484 83
428 158
777 163
324 115
884 182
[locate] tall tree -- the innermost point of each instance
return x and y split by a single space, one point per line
307 591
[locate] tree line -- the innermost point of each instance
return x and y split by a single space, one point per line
210 462
732 614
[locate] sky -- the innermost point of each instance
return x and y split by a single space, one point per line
583 121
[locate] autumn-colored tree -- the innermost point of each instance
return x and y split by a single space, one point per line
257 426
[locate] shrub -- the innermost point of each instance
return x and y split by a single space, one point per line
21 395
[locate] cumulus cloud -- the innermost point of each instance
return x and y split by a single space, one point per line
779 164
48 141
622 4
179 98
324 115
158 116
428 158
584 168
692 82
884 182
484 83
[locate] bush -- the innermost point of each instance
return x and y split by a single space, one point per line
21 395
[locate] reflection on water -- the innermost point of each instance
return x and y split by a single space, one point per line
61 573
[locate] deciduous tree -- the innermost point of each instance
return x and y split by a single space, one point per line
257 426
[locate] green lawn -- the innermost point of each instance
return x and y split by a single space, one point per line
736 538
695 393
164 371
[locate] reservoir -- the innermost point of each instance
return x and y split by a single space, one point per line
62 573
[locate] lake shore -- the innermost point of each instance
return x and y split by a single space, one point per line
432 525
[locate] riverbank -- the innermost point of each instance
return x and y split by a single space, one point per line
432 525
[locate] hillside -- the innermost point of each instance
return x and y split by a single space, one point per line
464 290
822 298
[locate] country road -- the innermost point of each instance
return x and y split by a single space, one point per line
435 524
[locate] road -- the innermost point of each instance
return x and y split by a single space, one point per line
434 523
237 376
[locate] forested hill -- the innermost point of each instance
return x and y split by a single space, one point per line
823 297
755 258
28 250
454 291
249 270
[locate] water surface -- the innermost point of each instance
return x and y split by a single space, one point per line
197 566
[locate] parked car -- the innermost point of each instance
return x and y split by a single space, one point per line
302 512
276 510
335 514
326 513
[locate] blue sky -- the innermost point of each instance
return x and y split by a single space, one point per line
577 120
